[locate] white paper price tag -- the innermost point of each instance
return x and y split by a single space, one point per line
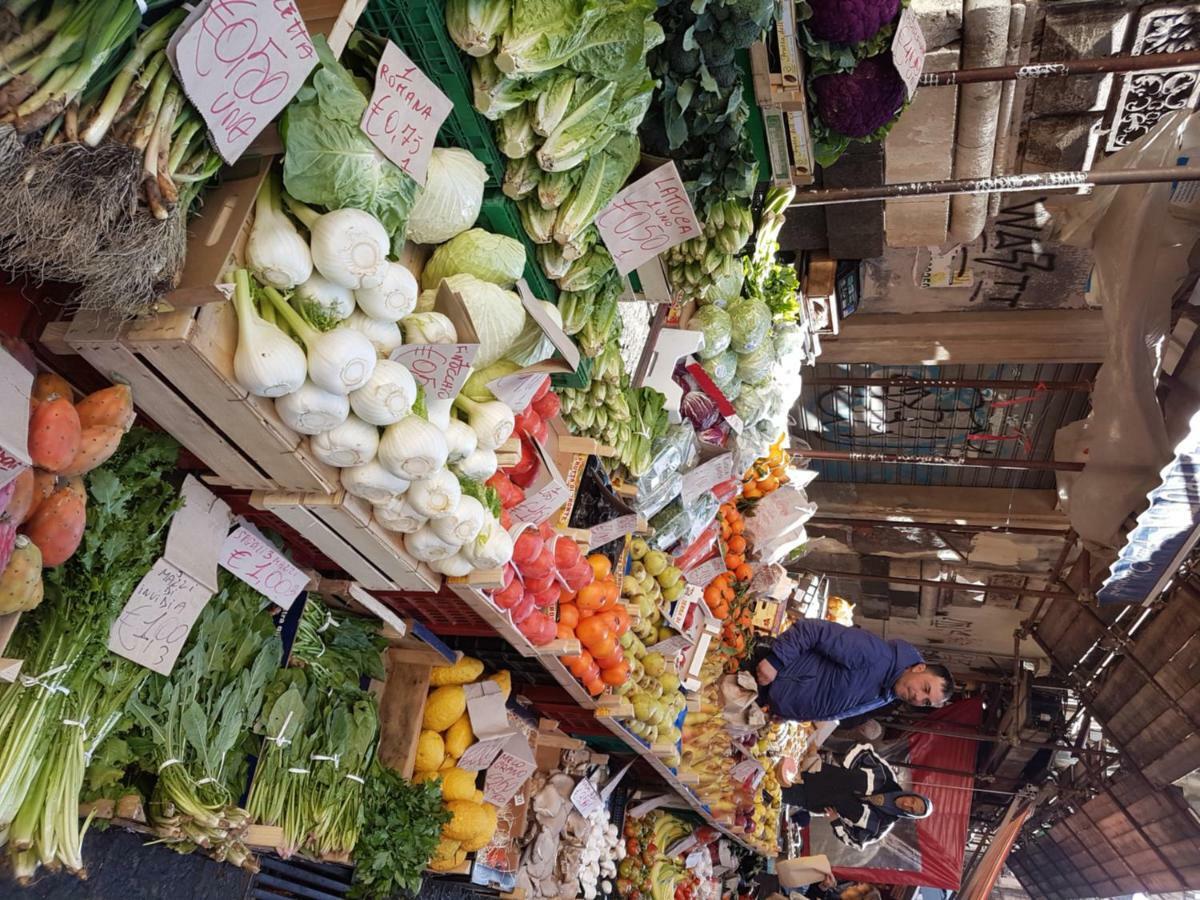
441 369
908 50
611 530
405 113
516 391
240 63
706 476
505 776
749 772
157 618
651 215
702 574
480 754
256 562
585 798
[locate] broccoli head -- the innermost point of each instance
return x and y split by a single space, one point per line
849 21
857 104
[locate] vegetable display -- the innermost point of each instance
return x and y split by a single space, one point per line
102 157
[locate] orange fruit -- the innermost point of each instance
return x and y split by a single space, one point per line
601 566
737 544
595 686
564 632
568 614
744 572
617 675
592 596
595 632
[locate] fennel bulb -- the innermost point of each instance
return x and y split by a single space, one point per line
322 302
383 334
398 515
462 524
461 441
479 465
267 362
456 565
492 547
438 495
339 361
493 422
413 448
353 443
373 483
388 396
426 546
349 246
311 410
428 328
275 251
394 298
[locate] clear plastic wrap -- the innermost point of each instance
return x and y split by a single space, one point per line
757 366
674 452
714 323
670 525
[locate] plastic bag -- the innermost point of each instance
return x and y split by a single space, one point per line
756 366
721 369
751 323
670 525
714 323
649 502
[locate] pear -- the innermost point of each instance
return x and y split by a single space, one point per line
668 576
638 548
654 664
656 562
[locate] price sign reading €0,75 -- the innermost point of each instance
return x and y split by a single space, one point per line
651 215
240 63
405 113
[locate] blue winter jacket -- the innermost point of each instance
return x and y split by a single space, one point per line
829 671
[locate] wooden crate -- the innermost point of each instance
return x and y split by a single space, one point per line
781 96
342 528
180 368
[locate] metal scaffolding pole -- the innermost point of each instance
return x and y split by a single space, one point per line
1148 62
932 582
906 381
956 462
826 520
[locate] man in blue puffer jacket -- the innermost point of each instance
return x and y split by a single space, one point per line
818 670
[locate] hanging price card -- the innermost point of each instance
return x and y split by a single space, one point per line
908 50
157 618
442 369
702 574
585 798
651 215
749 772
599 535
508 772
405 113
240 63
249 558
705 476
516 391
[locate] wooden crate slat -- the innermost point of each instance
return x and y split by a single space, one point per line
102 348
401 707
321 536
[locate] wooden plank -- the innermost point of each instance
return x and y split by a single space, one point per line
323 538
1178 760
400 710
496 618
351 518
1182 672
103 349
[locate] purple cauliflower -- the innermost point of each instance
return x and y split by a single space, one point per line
857 104
849 21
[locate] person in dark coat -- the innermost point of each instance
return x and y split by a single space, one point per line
862 797
832 889
818 670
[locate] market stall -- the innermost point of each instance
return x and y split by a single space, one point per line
411 322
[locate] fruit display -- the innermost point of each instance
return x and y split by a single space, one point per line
445 736
649 872
43 510
545 566
767 474
594 615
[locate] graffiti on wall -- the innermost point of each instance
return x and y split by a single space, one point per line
1016 263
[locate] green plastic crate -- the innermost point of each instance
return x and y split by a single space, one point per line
418 27
499 215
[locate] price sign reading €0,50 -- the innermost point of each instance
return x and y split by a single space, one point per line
651 215
405 113
240 62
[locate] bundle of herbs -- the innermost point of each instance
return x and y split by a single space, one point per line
319 731
101 155
194 725
73 690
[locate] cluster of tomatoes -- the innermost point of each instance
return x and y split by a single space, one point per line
545 568
595 615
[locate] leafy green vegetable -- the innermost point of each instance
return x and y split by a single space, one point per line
489 257
402 824
593 36
329 161
604 175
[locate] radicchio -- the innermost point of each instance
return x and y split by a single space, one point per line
700 410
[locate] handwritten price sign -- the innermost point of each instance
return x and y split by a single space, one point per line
405 113
908 50
749 772
601 534
442 369
256 562
702 574
240 63
651 215
157 618
585 798
705 476
505 777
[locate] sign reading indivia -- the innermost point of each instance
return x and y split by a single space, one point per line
405 113
240 62
651 215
